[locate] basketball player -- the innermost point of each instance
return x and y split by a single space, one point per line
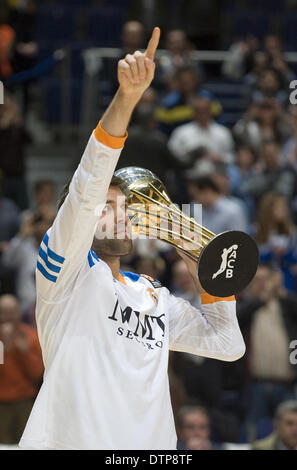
106 334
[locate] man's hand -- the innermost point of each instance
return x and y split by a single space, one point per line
136 72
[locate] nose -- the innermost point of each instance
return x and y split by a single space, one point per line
121 215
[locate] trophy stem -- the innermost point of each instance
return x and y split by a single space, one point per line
161 217
177 211
207 234
170 232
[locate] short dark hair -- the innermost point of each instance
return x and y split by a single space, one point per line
288 406
249 148
277 74
189 409
204 182
187 69
115 181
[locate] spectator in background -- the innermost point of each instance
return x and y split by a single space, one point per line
147 144
221 178
148 99
177 55
272 46
276 237
13 141
202 131
244 167
264 120
271 84
132 37
200 161
193 428
259 64
221 174
219 213
245 58
45 193
241 58
245 161
21 254
270 175
267 316
274 50
21 373
284 436
177 108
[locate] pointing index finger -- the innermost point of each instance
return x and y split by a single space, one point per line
153 44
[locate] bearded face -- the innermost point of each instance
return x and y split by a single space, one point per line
113 234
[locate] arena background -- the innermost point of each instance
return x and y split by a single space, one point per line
229 67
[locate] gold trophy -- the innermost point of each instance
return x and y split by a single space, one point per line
226 263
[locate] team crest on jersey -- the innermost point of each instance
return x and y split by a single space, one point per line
153 294
155 283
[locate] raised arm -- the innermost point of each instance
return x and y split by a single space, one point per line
65 246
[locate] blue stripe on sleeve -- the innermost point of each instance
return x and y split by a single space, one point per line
90 259
45 273
51 266
94 255
54 256
51 253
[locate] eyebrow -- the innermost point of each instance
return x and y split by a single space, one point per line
110 201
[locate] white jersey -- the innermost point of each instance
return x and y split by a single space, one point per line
105 343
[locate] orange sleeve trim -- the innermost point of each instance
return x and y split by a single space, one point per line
122 279
104 138
209 299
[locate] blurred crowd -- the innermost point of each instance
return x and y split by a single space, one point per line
245 178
